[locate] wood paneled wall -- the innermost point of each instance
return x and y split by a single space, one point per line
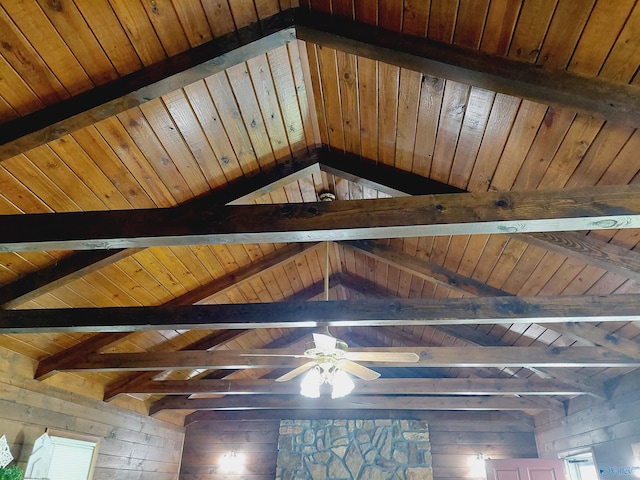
593 424
131 446
456 439
206 442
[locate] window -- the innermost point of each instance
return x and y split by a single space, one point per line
61 455
581 467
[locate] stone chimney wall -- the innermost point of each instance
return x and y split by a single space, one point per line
354 449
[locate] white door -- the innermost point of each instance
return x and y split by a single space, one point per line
524 469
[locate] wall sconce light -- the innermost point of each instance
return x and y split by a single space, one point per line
477 465
231 462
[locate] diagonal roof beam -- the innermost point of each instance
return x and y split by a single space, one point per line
487 373
60 273
598 336
423 269
69 356
466 332
244 274
592 208
243 190
472 336
614 101
590 250
286 340
141 86
426 270
395 182
208 343
125 385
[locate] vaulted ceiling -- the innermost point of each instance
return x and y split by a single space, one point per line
160 170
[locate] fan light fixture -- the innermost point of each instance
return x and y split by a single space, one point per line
326 372
330 361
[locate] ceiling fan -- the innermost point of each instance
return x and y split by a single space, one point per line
329 354
329 358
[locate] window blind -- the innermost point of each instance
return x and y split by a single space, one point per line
71 459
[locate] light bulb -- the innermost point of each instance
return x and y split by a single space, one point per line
342 384
310 385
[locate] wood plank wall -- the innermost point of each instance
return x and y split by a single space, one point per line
206 442
590 424
131 446
456 439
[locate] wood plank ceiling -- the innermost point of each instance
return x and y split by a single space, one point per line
107 105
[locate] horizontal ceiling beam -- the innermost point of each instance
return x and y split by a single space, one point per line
72 267
144 85
469 357
372 312
396 182
614 101
359 402
408 386
593 208
433 417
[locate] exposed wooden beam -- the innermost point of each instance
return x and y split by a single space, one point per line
52 364
607 256
82 263
397 182
593 208
132 382
58 274
466 333
287 339
208 343
355 414
420 268
378 176
613 101
475 337
364 402
423 269
223 284
151 82
362 286
557 357
382 386
372 312
246 189
599 336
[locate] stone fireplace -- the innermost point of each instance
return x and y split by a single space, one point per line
354 449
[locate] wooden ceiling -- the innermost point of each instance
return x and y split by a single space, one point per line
151 153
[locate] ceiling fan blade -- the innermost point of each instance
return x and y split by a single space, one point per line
392 357
296 371
324 342
358 370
